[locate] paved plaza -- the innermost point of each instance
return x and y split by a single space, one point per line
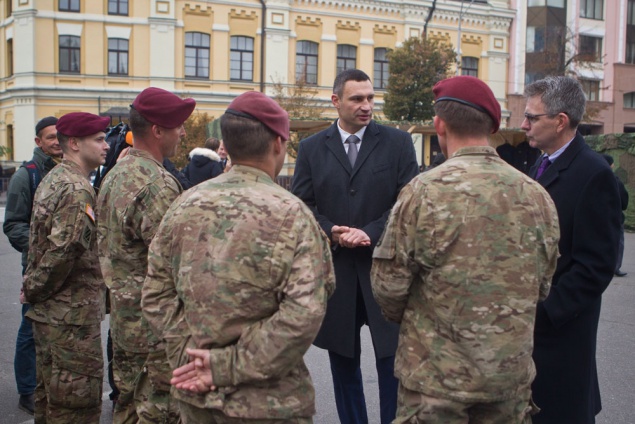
616 350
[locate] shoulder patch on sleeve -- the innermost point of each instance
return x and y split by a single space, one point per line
90 212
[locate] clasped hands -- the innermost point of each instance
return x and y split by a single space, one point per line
196 375
349 237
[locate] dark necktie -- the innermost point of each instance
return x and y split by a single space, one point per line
543 165
352 148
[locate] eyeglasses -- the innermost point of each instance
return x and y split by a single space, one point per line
534 118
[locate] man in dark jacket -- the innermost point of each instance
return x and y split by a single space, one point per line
17 220
205 163
585 193
350 175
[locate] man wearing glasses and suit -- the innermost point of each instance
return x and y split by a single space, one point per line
585 193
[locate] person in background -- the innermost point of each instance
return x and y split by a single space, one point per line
469 249
63 282
205 163
132 200
583 187
624 204
179 175
17 219
237 316
225 162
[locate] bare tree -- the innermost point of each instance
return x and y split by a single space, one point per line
563 52
301 102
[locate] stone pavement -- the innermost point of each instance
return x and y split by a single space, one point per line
616 347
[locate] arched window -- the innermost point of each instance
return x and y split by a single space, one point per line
346 57
306 62
197 55
70 57
380 69
241 59
117 56
469 66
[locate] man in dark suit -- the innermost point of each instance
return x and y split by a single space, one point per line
584 191
350 175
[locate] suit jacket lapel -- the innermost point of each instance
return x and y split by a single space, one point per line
335 145
562 162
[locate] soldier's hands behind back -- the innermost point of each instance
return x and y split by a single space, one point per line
196 375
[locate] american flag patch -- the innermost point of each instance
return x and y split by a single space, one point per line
90 212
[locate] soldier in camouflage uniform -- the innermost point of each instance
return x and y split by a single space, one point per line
469 249
63 283
238 279
132 200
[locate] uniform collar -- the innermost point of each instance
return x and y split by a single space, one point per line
475 151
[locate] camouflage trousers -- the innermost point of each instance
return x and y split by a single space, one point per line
418 408
70 371
191 414
143 381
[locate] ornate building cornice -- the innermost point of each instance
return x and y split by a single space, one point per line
243 14
197 9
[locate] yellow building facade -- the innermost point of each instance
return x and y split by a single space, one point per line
60 56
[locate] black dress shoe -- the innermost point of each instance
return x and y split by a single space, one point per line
620 273
26 403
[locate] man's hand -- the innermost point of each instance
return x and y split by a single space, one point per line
354 237
196 375
337 231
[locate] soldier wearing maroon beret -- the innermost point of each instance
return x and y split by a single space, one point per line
63 282
247 310
467 253
133 198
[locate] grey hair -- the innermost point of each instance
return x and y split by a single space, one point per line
560 95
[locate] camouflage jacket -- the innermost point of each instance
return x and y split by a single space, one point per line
63 282
239 266
469 249
132 200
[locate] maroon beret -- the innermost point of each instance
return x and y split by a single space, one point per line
162 107
255 105
469 91
81 124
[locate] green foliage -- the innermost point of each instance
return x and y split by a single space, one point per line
197 131
4 150
414 69
621 146
601 142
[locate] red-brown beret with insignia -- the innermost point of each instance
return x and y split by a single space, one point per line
469 91
162 107
257 106
81 124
